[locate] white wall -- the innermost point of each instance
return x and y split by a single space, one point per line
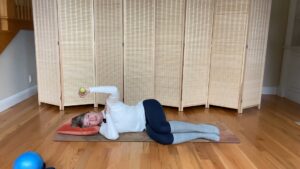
276 40
290 88
17 62
290 77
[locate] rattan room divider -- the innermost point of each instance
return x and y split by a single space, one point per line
109 45
182 52
47 51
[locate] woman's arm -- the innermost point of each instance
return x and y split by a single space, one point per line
112 90
108 129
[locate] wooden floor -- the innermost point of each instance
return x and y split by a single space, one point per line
270 139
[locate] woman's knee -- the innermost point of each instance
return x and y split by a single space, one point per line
163 127
165 138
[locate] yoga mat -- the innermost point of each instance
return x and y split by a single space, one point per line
226 137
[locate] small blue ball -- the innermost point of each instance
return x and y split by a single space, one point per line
29 160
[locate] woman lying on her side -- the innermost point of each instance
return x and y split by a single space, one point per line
148 115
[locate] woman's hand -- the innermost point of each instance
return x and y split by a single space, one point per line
83 92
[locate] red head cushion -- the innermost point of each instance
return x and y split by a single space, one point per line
66 128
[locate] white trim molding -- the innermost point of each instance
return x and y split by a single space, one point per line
273 90
17 98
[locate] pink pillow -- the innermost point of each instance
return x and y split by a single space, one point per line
66 128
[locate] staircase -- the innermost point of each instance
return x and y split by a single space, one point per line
14 16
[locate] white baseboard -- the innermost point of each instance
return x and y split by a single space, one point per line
270 90
17 98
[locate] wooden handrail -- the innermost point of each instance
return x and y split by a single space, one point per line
14 16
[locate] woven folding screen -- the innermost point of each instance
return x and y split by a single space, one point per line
256 51
47 51
180 52
76 29
197 51
169 30
228 52
139 39
108 44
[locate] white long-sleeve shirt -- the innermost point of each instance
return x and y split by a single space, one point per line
120 118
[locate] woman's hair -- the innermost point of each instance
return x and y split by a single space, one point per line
77 121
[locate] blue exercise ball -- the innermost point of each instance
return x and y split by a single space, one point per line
29 160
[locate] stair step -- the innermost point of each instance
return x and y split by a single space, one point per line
14 27
15 19
5 39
